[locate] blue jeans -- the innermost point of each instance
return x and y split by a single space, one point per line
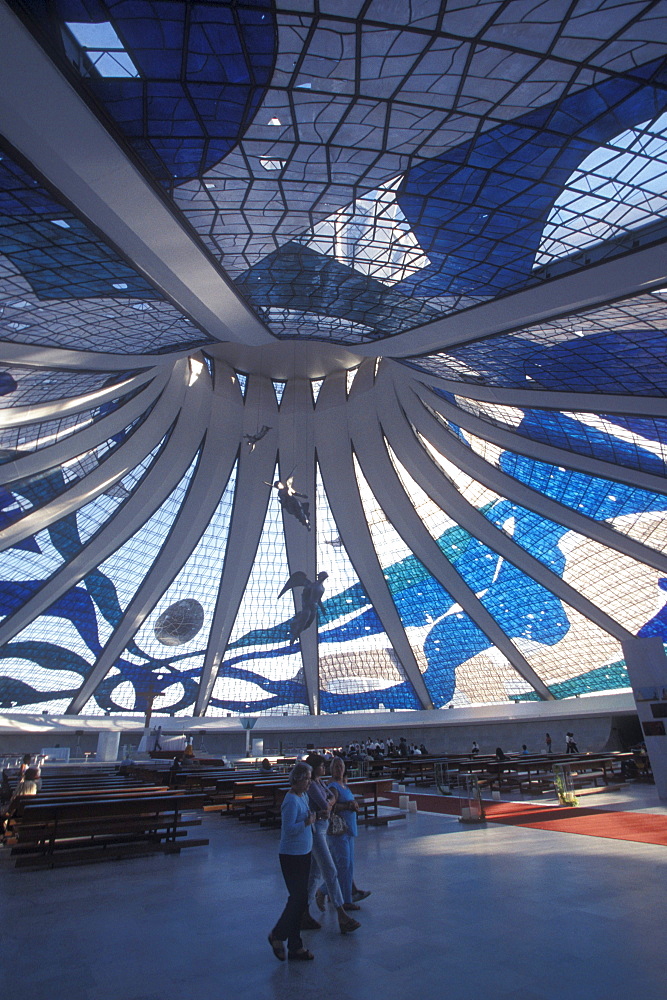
322 866
342 851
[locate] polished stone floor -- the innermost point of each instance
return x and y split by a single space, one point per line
458 912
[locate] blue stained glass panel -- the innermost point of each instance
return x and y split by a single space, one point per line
171 672
203 71
262 668
58 261
478 210
623 361
599 499
631 446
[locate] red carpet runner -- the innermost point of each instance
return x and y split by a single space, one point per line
644 828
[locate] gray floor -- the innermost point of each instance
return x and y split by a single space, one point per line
465 913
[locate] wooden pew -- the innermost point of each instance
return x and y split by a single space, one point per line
77 830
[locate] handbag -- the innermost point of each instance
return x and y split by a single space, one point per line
337 825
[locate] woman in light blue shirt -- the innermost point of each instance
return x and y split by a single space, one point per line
296 842
342 847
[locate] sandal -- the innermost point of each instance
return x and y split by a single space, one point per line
359 894
351 906
348 925
302 955
277 947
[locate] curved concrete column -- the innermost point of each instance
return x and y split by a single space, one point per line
426 474
468 461
206 488
296 452
551 454
592 402
255 474
125 458
81 441
368 441
165 474
32 414
334 453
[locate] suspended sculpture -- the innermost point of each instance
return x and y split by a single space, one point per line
293 502
311 600
252 439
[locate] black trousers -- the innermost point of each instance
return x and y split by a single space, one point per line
295 869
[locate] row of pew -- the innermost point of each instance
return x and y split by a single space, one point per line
526 774
258 798
95 814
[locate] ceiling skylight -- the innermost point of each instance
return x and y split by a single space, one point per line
371 235
619 187
104 49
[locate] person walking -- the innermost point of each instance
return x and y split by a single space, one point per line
296 843
342 846
322 867
547 740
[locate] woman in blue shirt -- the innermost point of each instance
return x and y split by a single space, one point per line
296 842
342 847
322 867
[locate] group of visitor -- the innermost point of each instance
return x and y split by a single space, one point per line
318 828
374 749
570 747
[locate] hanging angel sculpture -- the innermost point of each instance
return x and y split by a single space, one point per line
252 439
311 600
293 502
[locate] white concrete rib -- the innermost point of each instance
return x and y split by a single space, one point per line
334 453
467 460
510 440
369 445
81 441
500 395
443 493
255 470
34 413
206 488
296 452
164 475
108 473
637 271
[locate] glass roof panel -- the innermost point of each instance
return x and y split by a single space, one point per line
354 171
164 659
442 159
359 669
618 348
633 442
49 257
628 510
624 588
262 670
25 567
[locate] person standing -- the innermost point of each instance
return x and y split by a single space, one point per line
475 748
571 744
296 843
547 740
